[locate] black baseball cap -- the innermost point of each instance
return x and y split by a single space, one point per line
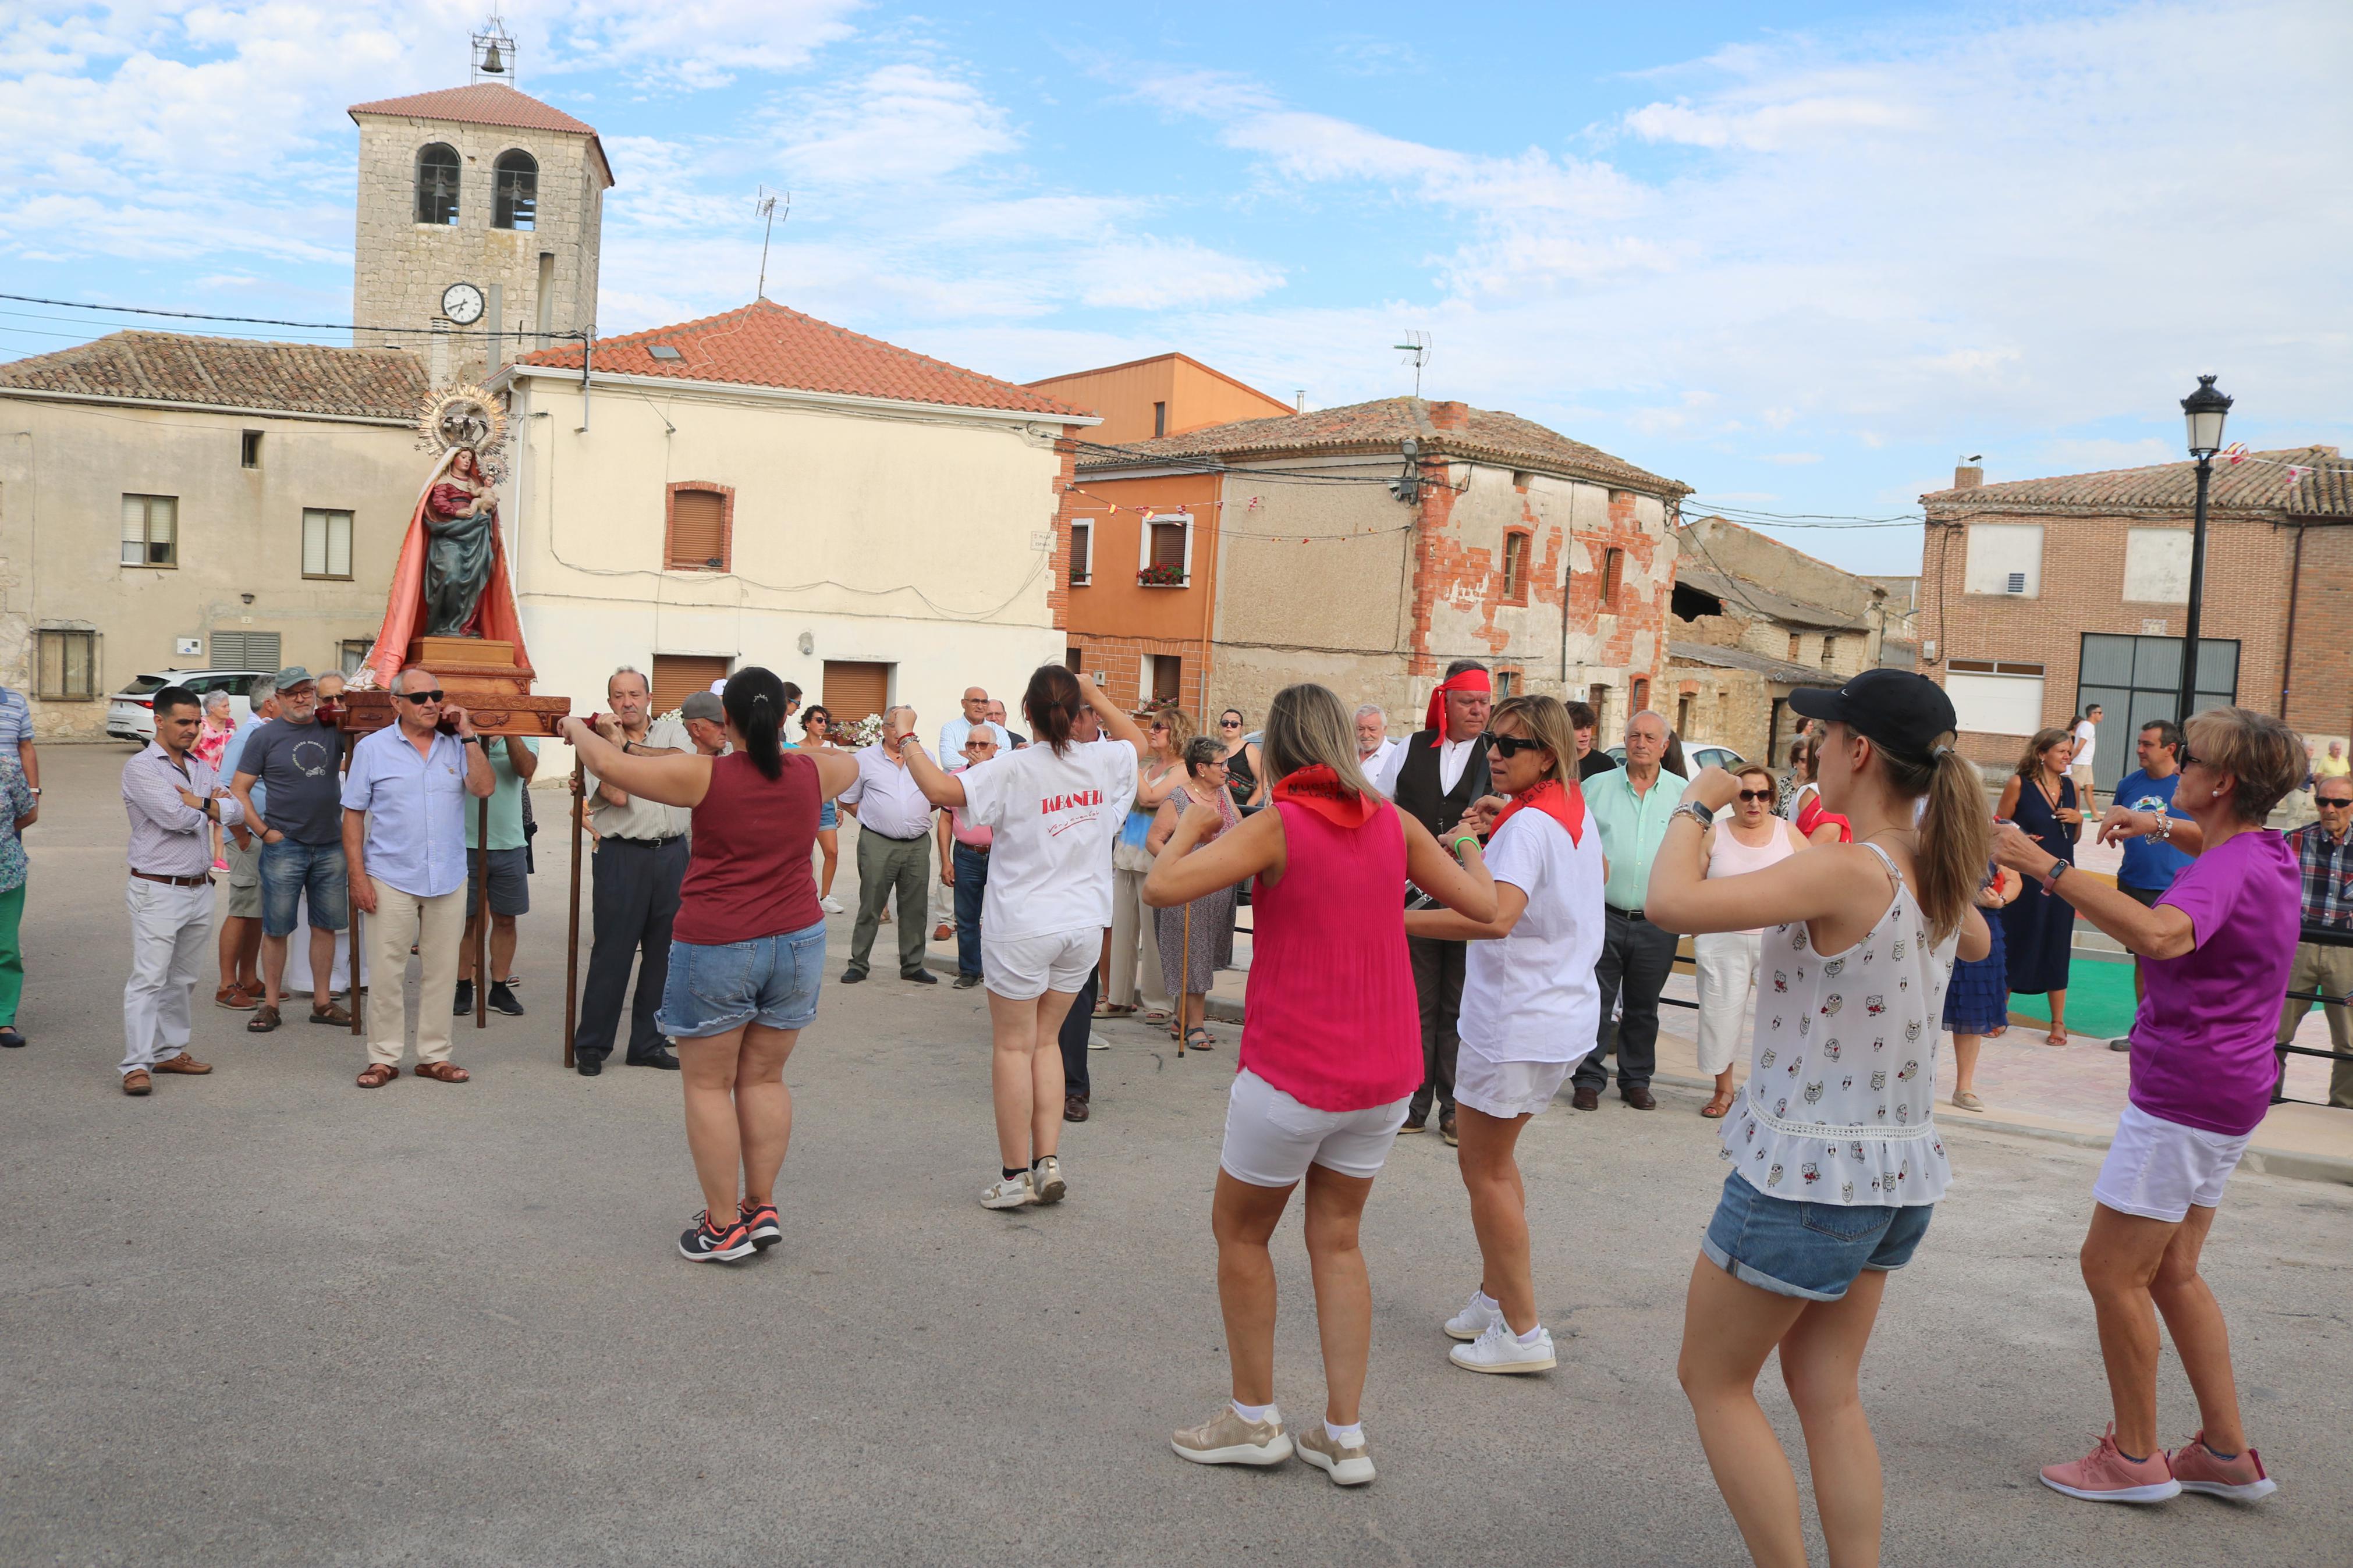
1905 713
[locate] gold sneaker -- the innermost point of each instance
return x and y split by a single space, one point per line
1226 1438
1348 1467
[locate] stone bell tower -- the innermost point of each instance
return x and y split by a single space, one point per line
480 209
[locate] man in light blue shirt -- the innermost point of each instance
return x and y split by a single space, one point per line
974 717
1630 807
240 928
404 803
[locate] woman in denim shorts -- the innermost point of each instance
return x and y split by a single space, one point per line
747 947
1836 1165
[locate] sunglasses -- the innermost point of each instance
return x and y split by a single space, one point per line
1757 795
1229 723
2327 805
1513 745
422 697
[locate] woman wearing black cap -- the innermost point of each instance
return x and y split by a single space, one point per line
1836 1162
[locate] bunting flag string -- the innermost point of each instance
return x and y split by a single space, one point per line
2236 453
1103 506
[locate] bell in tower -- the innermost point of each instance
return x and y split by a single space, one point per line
494 52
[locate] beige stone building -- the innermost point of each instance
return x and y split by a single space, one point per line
478 215
171 501
1548 560
1753 620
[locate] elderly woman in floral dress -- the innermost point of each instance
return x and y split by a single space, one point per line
1191 957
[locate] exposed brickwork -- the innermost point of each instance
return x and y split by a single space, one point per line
2320 666
1120 660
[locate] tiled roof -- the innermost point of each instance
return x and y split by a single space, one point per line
1748 593
1766 665
234 372
765 345
484 103
1378 426
2327 491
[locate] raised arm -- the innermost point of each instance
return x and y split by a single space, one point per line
1116 724
669 778
1445 925
939 786
1182 873
2162 931
1462 886
2122 822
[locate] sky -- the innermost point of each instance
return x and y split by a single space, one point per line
1800 258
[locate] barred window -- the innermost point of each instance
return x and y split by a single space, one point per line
515 200
436 185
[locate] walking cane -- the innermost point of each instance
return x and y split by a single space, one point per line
482 916
1185 981
572 956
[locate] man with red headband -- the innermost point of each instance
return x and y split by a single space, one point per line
1443 771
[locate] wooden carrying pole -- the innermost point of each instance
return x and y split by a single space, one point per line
572 948
482 915
355 992
1184 979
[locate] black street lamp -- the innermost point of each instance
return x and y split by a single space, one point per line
2204 409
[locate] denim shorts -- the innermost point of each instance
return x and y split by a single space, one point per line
770 980
1813 1251
828 816
289 871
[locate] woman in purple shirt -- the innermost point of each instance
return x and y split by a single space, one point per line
2216 947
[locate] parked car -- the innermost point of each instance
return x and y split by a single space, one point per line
1697 756
130 713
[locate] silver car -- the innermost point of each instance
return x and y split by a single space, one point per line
130 713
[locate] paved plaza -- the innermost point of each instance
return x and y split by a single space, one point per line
266 1317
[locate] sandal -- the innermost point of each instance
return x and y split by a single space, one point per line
1160 1015
2055 1037
378 1074
1717 1108
441 1072
331 1014
264 1019
1116 1010
1198 1038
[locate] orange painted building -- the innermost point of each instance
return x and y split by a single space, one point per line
1138 557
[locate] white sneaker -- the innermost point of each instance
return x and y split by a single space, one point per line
1010 1193
1477 1316
1500 1349
829 904
1348 1467
1047 1179
1096 1042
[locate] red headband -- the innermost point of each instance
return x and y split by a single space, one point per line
1468 680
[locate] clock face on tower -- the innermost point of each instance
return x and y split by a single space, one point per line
462 303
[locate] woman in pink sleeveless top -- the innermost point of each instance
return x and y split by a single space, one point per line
1331 1052
746 948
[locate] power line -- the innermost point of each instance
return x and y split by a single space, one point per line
275 321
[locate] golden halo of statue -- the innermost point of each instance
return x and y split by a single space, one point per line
463 416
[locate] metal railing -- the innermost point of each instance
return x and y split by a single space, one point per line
2319 936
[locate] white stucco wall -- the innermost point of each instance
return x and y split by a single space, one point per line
915 539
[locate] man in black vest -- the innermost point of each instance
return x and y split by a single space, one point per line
1444 770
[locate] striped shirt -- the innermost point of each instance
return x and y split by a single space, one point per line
2328 866
15 720
169 838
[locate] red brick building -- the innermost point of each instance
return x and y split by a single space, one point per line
2041 596
1548 560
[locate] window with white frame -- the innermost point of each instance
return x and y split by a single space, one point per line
1164 551
1082 552
1995 697
2004 558
151 531
326 542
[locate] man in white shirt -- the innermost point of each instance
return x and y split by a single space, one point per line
1375 753
894 849
2086 734
640 863
974 715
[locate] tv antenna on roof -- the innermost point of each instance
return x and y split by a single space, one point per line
767 208
1416 349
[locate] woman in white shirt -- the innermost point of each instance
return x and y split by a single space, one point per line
1054 808
1530 1007
1751 839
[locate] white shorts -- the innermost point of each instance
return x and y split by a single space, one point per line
1022 968
1271 1138
2158 1169
1506 1089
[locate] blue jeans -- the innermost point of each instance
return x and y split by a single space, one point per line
971 883
289 871
770 980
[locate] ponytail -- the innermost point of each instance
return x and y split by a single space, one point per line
1052 704
755 701
1956 833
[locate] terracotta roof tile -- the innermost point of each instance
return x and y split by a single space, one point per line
234 372
2327 492
765 345
1378 426
484 103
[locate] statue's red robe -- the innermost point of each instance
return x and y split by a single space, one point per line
494 619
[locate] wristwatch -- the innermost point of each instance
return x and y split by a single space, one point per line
1697 813
2050 877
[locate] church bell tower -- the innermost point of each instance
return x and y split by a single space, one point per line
480 209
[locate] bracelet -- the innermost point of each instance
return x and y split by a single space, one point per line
1455 848
2163 832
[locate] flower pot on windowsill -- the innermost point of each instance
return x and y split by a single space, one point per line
1160 577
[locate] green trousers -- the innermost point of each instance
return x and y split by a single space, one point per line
12 956
885 866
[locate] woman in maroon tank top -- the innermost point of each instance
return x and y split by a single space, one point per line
746 949
1331 1051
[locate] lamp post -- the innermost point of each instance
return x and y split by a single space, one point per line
2204 409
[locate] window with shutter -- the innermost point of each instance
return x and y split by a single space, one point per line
247 650
1515 567
678 676
1613 569
854 690
700 520
1082 550
1168 545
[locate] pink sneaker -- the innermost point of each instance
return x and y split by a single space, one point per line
2242 1477
2105 1475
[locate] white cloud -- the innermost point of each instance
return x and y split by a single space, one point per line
698 43
900 124
1156 274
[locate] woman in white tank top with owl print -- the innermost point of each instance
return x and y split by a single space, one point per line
1836 1163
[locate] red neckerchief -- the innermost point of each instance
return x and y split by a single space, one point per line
1565 803
1435 718
1319 789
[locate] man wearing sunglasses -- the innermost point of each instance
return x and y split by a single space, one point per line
405 804
2324 849
301 840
